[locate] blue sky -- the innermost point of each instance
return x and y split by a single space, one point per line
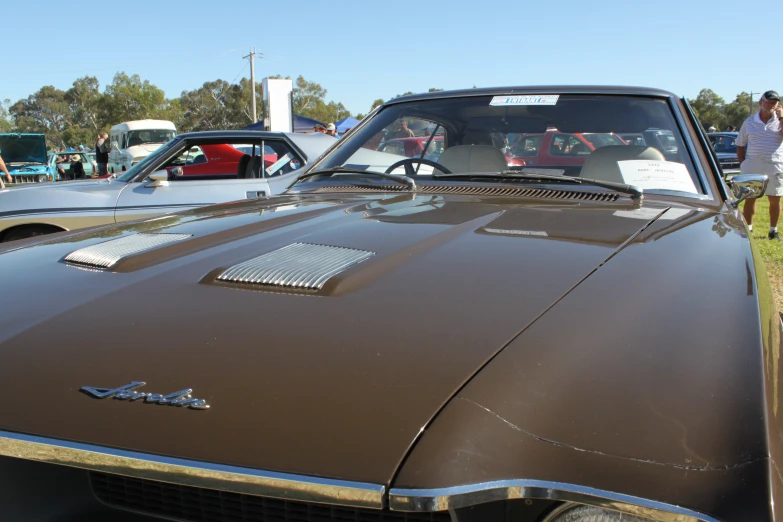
364 50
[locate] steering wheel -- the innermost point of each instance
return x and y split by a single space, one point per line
408 162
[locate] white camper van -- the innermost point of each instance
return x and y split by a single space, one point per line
133 141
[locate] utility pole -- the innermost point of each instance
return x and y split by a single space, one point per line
751 102
252 57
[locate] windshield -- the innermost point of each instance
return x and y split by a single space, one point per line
142 165
668 141
572 135
724 144
17 148
140 137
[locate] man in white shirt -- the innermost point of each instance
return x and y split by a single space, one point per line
760 151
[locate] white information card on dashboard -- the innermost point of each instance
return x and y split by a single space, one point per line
661 175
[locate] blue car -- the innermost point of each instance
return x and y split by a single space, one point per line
725 147
25 157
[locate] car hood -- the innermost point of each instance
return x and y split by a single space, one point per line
23 148
59 197
61 185
338 383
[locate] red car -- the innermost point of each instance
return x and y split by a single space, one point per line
555 148
217 159
413 147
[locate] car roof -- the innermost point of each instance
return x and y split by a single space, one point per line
222 134
144 125
536 89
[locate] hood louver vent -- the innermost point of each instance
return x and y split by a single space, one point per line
108 253
480 190
297 266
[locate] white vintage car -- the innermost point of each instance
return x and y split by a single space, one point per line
192 170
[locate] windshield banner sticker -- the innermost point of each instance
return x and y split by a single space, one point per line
277 165
657 175
534 99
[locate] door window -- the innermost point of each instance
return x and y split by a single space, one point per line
567 145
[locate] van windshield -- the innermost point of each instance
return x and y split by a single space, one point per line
140 137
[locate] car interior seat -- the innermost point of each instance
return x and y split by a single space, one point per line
242 167
476 138
255 167
473 158
602 163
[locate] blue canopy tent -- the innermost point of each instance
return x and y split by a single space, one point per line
345 124
301 124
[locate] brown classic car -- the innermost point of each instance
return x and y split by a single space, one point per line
400 339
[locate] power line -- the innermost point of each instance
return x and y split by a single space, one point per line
238 74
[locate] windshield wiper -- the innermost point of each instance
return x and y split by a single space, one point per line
404 180
636 192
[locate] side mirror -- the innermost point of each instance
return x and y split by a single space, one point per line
160 178
747 186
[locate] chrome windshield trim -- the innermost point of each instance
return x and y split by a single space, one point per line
192 473
676 193
456 497
691 146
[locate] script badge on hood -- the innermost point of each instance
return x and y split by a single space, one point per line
128 393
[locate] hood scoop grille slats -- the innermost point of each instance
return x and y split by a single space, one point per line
299 266
109 253
478 190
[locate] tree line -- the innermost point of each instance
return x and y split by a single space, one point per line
75 116
713 111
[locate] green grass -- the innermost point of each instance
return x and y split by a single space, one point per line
771 251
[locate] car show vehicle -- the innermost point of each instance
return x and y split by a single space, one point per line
25 157
60 163
220 159
382 343
132 141
554 148
725 147
193 170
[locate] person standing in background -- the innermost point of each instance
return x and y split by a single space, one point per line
102 154
760 151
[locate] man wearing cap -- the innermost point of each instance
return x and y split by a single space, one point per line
760 151
331 130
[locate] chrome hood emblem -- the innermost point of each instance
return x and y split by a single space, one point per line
129 393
